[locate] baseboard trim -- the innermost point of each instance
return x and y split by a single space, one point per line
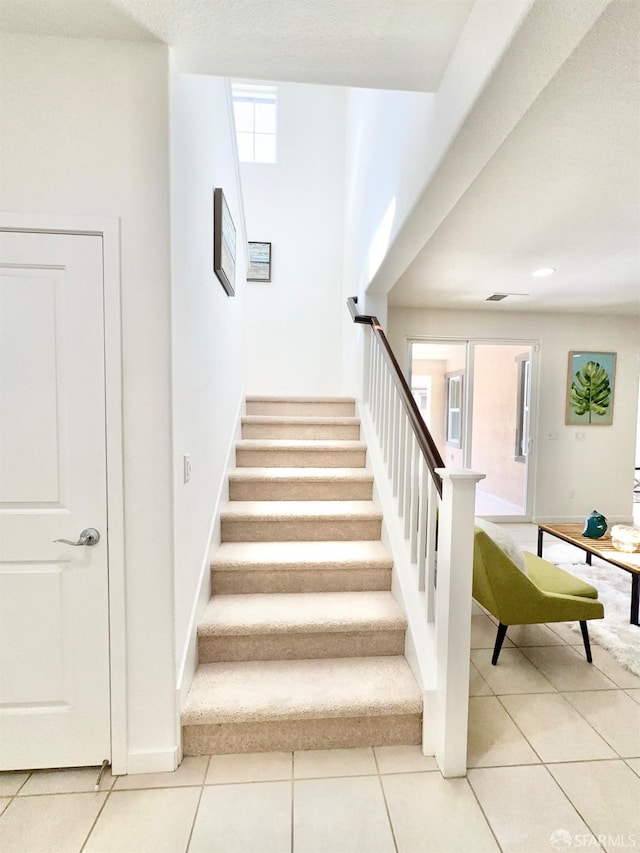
153 761
190 653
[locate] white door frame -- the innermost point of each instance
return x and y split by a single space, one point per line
109 229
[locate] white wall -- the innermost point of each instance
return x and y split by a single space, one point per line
208 340
294 323
84 130
388 142
397 140
572 477
387 145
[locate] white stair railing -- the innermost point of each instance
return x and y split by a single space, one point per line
432 510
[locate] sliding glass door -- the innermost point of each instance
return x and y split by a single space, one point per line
477 399
500 433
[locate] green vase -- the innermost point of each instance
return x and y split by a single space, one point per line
595 525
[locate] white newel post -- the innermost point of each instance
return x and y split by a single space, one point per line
453 618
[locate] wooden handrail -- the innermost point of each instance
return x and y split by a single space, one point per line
424 438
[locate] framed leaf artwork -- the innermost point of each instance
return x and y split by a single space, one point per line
590 386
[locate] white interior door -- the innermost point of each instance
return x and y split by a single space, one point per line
54 616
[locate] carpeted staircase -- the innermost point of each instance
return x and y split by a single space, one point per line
301 645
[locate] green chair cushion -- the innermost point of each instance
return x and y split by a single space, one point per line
550 578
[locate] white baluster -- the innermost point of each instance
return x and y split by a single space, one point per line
423 475
385 404
389 413
407 487
372 368
366 365
415 497
402 460
395 450
432 544
392 439
378 403
385 413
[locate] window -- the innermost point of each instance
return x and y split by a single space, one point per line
255 113
453 424
421 391
522 411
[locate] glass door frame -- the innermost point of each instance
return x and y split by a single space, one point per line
467 426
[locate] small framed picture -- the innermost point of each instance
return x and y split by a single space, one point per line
224 243
259 262
590 385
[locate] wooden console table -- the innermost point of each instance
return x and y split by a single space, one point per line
572 533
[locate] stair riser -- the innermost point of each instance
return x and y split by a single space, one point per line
302 408
289 735
303 580
300 646
305 530
332 432
275 458
310 490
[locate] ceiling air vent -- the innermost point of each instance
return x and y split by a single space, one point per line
496 297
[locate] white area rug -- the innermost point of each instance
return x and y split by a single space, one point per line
614 632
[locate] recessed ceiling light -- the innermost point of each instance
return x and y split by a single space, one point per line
544 272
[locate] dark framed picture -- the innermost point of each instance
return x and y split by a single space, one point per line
224 243
259 262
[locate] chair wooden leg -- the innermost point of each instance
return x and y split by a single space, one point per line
502 633
585 637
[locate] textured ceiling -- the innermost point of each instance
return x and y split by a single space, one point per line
74 18
562 191
394 44
398 44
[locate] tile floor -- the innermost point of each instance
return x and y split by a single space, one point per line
554 764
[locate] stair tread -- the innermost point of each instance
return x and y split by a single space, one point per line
312 444
301 554
320 510
305 612
329 474
279 690
271 399
328 420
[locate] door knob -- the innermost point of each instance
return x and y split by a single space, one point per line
89 536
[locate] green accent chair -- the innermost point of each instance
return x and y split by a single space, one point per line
540 593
